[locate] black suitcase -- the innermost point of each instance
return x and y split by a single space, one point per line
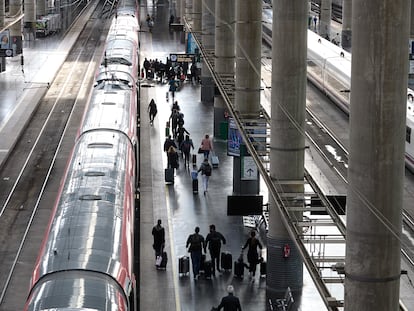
184 265
239 269
226 260
195 185
263 268
164 261
202 261
169 175
208 269
194 159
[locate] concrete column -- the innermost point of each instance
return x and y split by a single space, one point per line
325 19
224 52
287 145
182 10
178 11
376 161
346 35
248 74
41 8
2 12
15 9
197 4
207 35
411 56
29 19
2 22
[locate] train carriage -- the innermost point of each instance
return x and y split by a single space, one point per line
86 261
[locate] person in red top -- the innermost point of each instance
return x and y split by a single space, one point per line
206 146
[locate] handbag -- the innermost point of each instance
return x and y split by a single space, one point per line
158 261
200 151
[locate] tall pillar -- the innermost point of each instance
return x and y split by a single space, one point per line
248 74
287 145
29 19
346 35
182 10
411 56
41 8
178 11
2 12
376 161
197 16
15 30
2 22
207 35
224 53
325 19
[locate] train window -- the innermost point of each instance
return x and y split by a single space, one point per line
90 197
109 103
408 134
109 197
100 145
94 174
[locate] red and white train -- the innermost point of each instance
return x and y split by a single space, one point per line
86 261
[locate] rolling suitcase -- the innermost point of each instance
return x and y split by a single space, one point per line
202 261
169 175
214 160
263 268
164 261
194 159
207 269
184 265
226 260
195 185
239 269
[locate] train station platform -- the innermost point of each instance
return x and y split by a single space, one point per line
175 204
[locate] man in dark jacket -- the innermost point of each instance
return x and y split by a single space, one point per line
195 244
214 240
158 233
230 302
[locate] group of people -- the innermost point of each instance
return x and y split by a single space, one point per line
195 244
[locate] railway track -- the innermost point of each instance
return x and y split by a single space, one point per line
335 155
31 176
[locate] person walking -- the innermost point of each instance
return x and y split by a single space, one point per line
172 157
206 146
158 233
173 119
173 85
147 66
185 147
213 240
181 131
152 109
252 256
195 245
230 302
205 169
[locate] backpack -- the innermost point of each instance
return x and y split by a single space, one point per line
207 169
195 242
185 147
